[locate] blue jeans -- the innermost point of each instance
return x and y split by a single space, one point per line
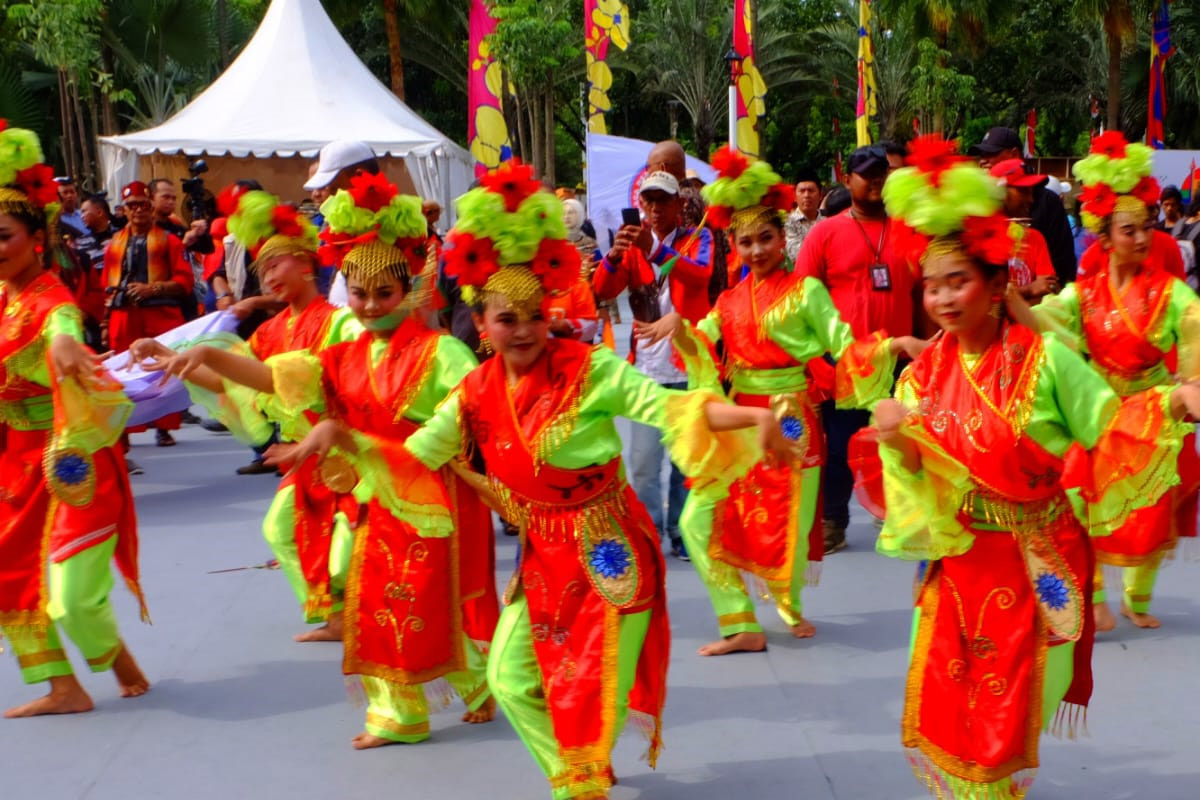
646 454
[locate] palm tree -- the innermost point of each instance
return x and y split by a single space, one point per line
1119 20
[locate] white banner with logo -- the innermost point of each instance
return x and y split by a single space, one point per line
615 169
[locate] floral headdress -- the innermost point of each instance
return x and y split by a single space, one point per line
510 240
942 201
375 233
26 184
1116 176
745 194
268 228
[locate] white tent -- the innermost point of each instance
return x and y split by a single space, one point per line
296 86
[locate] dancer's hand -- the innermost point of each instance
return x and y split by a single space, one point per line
144 349
776 447
889 416
911 345
281 455
181 364
652 332
71 359
320 440
1185 401
1019 310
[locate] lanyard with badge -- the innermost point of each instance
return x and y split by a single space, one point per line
881 276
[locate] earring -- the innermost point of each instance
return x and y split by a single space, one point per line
37 248
997 309
485 344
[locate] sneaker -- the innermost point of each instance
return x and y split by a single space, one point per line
133 467
510 529
679 550
213 426
255 467
835 537
189 418
164 439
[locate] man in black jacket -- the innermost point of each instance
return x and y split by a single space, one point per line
1048 216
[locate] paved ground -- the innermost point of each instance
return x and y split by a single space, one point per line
240 711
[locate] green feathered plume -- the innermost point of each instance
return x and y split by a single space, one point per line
19 150
251 223
743 191
964 190
514 235
342 215
401 219
1119 174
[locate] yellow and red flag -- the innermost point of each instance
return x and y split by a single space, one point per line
487 131
865 106
751 89
604 22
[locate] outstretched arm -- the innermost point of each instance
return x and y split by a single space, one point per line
206 366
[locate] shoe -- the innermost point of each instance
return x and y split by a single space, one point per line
835 537
255 467
679 550
189 418
213 426
133 467
510 529
164 439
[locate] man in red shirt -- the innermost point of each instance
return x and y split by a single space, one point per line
1029 267
873 289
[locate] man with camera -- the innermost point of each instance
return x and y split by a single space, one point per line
636 262
148 281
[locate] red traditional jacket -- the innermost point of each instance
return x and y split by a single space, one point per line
164 257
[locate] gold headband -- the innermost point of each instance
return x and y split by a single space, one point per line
374 264
943 246
279 245
14 201
517 289
753 216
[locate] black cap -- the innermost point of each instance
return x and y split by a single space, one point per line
996 140
864 159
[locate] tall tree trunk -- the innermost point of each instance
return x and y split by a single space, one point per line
391 21
67 143
1114 81
522 131
703 127
939 105
548 172
86 165
223 32
108 113
534 108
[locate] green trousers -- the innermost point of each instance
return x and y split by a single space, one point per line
1138 583
726 590
516 681
400 712
279 529
78 602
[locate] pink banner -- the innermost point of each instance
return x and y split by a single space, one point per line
751 89
487 131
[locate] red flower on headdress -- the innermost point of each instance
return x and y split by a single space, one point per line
1147 191
285 221
338 245
37 182
1109 143
987 238
372 192
933 155
3 124
227 200
781 197
729 163
513 181
908 244
556 264
469 260
719 216
1098 199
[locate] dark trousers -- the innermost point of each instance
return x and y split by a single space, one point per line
840 425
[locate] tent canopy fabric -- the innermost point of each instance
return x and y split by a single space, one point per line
296 86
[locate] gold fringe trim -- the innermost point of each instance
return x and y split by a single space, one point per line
945 786
1070 720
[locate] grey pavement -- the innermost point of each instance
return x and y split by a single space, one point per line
238 710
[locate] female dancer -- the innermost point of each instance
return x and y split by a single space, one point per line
1128 317
772 325
420 590
972 450
64 490
584 639
307 525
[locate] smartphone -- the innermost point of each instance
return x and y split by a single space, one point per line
631 216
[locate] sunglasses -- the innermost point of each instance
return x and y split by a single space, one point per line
137 203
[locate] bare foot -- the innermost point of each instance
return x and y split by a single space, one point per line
746 642
66 697
365 741
1105 621
1141 620
331 631
129 675
804 629
485 713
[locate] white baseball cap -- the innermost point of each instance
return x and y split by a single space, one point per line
662 181
335 157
